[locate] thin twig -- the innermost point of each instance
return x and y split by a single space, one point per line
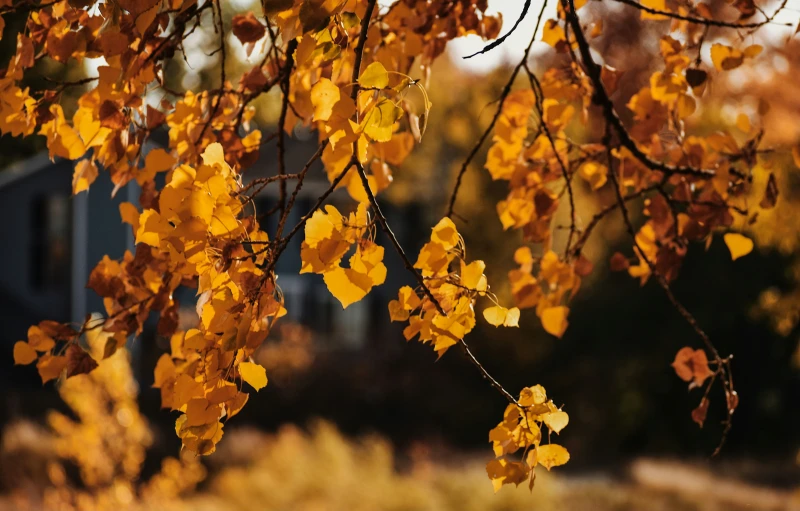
503 96
698 20
499 41
285 85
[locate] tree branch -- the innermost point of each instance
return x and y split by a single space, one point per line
499 41
503 96
698 20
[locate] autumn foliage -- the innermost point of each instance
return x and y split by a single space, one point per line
356 72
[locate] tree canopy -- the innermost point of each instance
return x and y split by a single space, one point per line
356 72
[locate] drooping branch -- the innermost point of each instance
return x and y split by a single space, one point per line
709 22
501 101
285 85
537 88
220 29
723 368
601 97
603 213
359 52
497 42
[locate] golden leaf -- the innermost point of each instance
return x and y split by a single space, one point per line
374 76
253 374
554 320
551 455
738 245
24 354
499 315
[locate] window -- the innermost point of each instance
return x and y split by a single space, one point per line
50 242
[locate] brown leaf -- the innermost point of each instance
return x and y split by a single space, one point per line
169 321
25 51
682 364
50 367
583 266
78 361
746 8
155 118
110 116
247 28
699 414
619 262
57 331
610 78
254 79
691 365
770 194
696 77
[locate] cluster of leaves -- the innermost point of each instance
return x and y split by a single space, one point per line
329 236
444 313
344 67
521 429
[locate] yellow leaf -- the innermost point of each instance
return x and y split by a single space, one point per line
551 455
186 389
406 302
39 340
553 33
374 77
253 374
236 404
222 391
658 5
71 142
152 227
743 123
499 315
24 354
495 315
445 233
130 215
214 155
472 275
530 396
379 120
367 270
512 318
200 412
556 421
726 58
554 320
324 95
164 372
738 245
224 223
594 173
50 367
84 175
159 160
523 256
753 50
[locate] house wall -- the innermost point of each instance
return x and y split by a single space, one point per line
27 184
52 241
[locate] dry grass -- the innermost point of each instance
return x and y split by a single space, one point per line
93 462
322 470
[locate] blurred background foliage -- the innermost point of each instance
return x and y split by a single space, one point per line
425 420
